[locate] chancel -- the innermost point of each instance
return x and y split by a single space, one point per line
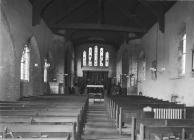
96 70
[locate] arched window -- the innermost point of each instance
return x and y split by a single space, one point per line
25 64
106 59
144 71
182 55
101 56
90 57
84 58
96 56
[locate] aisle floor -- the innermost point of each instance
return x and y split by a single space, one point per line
99 126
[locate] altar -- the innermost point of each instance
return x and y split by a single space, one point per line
95 92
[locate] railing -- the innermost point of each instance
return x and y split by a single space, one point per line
169 113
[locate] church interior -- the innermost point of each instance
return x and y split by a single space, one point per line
96 70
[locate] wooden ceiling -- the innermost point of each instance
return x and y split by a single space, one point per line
109 21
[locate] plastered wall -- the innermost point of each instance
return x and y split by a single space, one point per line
165 50
126 65
56 58
15 29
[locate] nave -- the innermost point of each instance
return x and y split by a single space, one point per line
135 58
80 118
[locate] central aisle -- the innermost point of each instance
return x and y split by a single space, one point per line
99 126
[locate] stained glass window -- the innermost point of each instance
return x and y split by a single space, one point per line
101 56
90 57
25 64
106 59
84 58
96 56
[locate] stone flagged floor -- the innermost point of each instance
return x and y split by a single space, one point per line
99 126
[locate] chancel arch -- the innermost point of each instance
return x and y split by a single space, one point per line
95 63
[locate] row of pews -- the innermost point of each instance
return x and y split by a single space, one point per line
43 118
146 118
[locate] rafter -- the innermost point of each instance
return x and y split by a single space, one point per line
84 41
101 11
46 6
38 6
127 14
70 10
157 13
104 27
57 33
92 13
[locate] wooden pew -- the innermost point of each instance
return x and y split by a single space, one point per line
129 110
43 120
52 112
38 129
161 111
37 119
15 119
40 112
18 113
66 138
149 132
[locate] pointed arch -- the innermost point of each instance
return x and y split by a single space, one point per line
25 63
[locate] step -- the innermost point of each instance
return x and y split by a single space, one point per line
101 137
105 123
101 132
96 110
97 115
91 119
